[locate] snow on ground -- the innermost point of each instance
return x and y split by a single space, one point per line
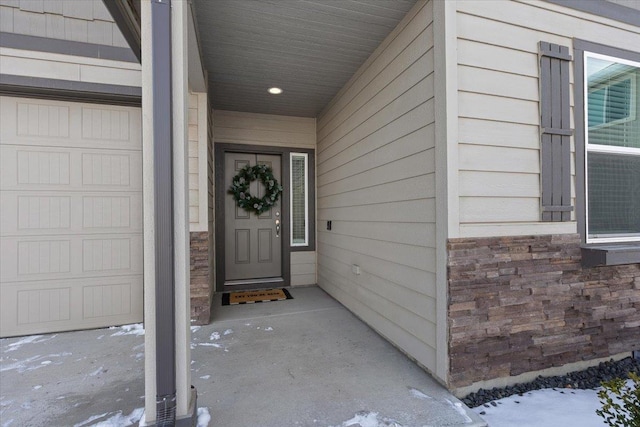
32 363
33 339
457 406
116 420
203 417
369 419
134 329
545 408
418 394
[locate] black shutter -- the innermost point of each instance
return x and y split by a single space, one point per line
555 153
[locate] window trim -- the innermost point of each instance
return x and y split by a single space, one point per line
600 148
306 205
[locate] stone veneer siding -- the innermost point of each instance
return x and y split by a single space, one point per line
524 303
201 292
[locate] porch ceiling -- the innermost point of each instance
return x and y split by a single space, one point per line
309 48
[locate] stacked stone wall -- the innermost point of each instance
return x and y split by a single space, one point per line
201 291
525 303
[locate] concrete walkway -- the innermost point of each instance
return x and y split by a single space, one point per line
301 362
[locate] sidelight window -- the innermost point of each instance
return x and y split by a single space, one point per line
299 187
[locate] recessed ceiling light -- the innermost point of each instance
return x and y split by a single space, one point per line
275 90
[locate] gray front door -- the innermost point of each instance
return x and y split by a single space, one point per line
253 243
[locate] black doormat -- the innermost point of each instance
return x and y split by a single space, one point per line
250 297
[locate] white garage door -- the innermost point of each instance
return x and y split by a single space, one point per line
70 216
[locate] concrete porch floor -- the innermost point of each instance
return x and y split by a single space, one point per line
301 362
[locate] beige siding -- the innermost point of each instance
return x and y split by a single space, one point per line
68 67
376 183
198 162
303 268
82 21
499 142
264 129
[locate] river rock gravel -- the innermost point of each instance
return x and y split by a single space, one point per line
590 378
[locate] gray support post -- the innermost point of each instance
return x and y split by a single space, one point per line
163 177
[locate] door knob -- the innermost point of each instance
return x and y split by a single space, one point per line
277 228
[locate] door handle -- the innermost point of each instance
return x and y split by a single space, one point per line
277 228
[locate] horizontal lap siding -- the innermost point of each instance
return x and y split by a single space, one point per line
303 268
376 184
264 129
499 140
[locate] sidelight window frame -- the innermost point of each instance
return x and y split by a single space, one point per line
292 186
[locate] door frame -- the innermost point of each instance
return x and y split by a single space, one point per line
220 150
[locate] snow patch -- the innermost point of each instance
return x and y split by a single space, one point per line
22 365
268 328
214 336
203 417
418 394
210 344
96 372
369 419
26 340
228 332
205 377
116 420
134 329
460 409
550 409
100 337
32 339
91 418
195 328
37 387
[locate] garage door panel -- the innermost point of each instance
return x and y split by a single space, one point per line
51 306
37 213
44 258
57 123
69 169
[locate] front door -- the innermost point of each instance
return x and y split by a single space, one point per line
253 243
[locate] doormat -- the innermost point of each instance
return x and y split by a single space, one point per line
249 297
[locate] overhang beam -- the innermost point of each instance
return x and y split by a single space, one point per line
126 14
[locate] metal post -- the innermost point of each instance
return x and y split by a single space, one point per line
163 177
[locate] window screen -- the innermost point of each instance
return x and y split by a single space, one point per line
299 192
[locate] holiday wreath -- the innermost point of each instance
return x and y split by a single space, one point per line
240 188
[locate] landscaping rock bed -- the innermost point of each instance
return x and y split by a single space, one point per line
590 378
